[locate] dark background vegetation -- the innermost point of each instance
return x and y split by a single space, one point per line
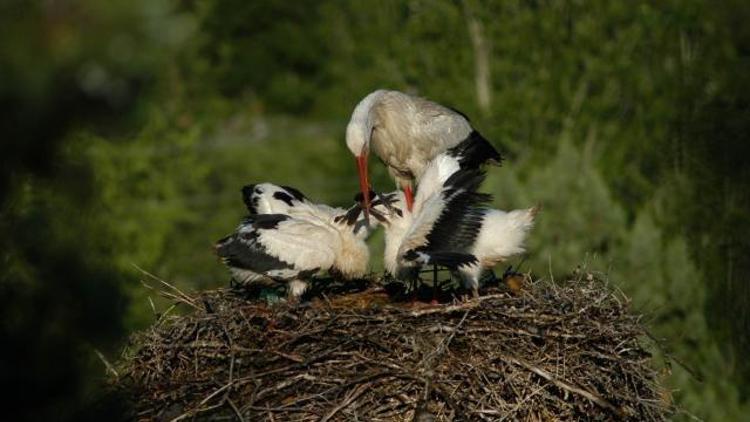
128 128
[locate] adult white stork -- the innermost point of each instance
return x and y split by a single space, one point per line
406 132
450 226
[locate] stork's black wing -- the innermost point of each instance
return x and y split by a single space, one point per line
244 250
450 260
474 151
449 222
460 221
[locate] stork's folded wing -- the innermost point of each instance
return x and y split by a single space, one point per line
302 242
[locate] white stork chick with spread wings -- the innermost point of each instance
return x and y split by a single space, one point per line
451 226
406 132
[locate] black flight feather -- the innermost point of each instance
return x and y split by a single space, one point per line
244 251
461 221
450 260
468 179
474 151
353 214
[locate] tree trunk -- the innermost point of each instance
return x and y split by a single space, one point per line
481 48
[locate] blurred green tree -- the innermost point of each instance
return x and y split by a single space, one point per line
64 66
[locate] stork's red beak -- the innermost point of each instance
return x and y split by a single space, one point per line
409 196
364 183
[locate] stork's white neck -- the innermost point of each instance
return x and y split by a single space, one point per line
360 124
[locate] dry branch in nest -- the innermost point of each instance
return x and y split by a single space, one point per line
569 351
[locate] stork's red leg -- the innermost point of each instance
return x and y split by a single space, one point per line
409 195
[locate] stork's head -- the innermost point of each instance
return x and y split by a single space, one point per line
358 142
269 198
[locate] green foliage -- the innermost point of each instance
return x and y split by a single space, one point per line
575 199
64 66
581 223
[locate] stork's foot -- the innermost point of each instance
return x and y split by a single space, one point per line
295 291
474 294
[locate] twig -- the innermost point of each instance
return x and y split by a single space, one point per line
329 360
564 385
179 293
347 401
106 363
236 410
442 309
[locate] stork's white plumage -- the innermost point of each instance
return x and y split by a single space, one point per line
502 236
287 239
407 132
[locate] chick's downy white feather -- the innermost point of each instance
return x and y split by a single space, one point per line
288 238
503 235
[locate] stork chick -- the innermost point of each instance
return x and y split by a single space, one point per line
450 220
270 249
501 235
288 239
407 132
441 228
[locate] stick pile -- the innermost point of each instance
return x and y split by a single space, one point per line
567 351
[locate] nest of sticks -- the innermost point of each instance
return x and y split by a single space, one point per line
565 351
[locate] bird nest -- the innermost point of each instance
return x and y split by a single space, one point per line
566 351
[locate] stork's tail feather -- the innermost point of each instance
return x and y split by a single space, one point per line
474 151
